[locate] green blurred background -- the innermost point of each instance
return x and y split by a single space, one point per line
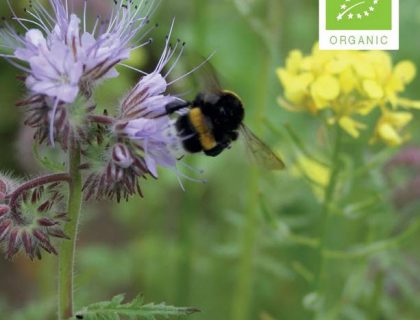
235 247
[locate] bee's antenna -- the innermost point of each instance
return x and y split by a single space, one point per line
193 70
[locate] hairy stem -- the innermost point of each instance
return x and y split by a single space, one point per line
37 182
68 248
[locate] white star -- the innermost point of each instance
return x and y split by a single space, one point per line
366 14
359 16
343 7
372 9
339 17
350 16
375 2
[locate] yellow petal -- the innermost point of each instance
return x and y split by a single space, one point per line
388 134
389 127
294 61
351 126
348 81
296 87
406 103
406 71
364 107
337 65
381 62
394 85
399 119
326 87
364 69
373 89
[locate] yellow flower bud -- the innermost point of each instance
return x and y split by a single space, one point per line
406 71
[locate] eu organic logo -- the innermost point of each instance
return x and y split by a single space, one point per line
359 15
359 24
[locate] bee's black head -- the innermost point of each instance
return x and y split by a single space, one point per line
227 112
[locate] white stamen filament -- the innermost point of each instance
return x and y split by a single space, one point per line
134 69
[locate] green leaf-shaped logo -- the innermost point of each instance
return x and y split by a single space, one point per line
359 14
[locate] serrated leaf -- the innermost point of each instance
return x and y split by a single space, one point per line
116 309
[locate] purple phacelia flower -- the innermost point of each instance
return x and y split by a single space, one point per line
61 58
145 138
55 72
144 133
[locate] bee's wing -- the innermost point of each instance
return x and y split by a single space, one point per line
202 79
262 155
207 77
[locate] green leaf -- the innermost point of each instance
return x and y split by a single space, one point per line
116 309
51 160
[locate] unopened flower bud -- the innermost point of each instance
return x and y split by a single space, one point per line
13 245
40 235
3 187
27 243
58 233
4 209
45 206
47 222
121 155
5 226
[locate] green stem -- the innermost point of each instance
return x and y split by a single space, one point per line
328 199
243 290
68 248
374 310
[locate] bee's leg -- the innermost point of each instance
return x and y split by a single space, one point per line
233 135
176 106
199 100
216 150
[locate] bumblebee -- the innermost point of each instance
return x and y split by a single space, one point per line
212 121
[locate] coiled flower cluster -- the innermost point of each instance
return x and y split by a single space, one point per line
31 214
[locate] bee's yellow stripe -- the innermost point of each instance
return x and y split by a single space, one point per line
204 134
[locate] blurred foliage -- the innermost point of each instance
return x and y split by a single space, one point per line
242 246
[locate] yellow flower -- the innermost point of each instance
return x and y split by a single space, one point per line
349 84
390 125
405 71
324 90
294 61
297 86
